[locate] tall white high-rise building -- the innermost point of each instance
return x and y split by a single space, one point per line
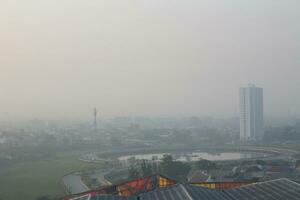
251 113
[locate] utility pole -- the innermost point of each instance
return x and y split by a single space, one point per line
95 119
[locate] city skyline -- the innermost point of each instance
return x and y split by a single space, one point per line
149 99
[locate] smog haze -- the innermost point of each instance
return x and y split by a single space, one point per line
59 59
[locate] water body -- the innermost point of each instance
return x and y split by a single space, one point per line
195 156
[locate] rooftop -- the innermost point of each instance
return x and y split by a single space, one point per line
280 189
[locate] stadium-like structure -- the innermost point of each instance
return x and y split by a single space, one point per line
158 187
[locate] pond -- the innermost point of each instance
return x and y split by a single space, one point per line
195 156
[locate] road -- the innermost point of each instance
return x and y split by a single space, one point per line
99 175
74 184
274 153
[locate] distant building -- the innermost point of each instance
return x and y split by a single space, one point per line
251 113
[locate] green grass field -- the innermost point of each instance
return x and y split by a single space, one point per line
30 180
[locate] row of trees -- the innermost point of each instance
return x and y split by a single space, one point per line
284 133
168 166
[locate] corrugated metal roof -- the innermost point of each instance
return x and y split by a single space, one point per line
111 197
281 189
186 192
175 192
207 194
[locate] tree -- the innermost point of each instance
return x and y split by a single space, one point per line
146 169
175 169
260 162
297 164
133 173
205 165
115 141
167 158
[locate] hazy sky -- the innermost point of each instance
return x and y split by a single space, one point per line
60 58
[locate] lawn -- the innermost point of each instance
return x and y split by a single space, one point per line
30 180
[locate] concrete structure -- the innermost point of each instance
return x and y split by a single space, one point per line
251 113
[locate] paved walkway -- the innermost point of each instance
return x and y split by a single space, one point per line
74 184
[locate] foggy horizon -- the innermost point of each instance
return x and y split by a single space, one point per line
60 59
149 99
